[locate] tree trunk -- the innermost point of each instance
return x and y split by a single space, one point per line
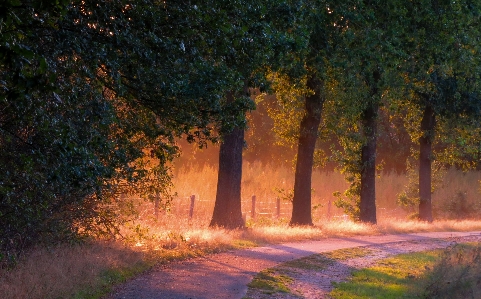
428 124
301 203
367 207
227 209
368 159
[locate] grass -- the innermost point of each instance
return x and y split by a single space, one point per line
91 269
313 262
202 183
277 279
391 278
456 275
82 271
269 281
451 273
348 253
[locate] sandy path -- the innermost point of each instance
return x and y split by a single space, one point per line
226 275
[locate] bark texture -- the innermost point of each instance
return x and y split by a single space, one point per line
428 124
367 206
227 209
368 172
301 204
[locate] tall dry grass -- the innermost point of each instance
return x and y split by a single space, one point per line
88 271
263 181
457 274
64 271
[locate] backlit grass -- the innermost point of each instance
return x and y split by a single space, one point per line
456 275
89 270
82 270
394 277
277 279
269 281
451 273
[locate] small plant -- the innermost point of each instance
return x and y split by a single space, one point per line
138 234
270 282
408 199
458 207
457 274
285 195
348 202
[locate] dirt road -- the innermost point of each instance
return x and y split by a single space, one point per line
226 275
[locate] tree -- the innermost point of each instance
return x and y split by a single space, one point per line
316 29
90 90
67 139
365 72
227 210
249 46
443 75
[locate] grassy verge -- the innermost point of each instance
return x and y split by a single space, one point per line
90 270
390 278
456 275
451 273
276 280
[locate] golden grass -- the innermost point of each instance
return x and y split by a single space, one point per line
390 226
456 275
62 271
263 180
89 270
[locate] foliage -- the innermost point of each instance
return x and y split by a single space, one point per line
442 75
456 274
409 197
92 97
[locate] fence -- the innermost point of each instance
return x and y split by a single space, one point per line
253 207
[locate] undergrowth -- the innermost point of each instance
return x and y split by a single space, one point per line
90 269
454 272
456 275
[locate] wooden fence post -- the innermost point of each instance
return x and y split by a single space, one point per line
156 205
278 207
329 210
191 210
253 209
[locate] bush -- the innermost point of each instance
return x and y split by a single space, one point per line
457 274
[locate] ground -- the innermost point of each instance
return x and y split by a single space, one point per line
226 275
312 282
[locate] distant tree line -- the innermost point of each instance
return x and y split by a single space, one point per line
94 95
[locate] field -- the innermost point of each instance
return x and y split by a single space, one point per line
265 181
89 270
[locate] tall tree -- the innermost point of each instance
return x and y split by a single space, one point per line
299 82
301 202
320 25
244 49
370 57
227 210
85 88
443 73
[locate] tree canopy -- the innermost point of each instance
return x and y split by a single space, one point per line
94 95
